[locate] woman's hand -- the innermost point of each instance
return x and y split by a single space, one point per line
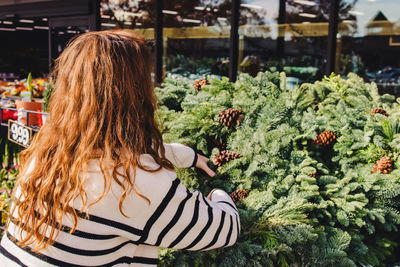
202 164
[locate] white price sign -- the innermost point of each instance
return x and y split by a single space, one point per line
19 133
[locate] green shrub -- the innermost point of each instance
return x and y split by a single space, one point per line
308 205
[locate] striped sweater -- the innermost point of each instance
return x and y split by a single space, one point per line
175 218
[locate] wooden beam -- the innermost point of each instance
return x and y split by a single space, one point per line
315 29
52 8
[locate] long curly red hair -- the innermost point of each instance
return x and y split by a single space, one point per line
103 107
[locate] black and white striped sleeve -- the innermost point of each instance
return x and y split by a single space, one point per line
188 220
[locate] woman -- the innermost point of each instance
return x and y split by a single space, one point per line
97 186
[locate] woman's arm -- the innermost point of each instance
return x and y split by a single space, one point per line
188 220
184 157
182 219
180 155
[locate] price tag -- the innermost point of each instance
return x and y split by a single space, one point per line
19 133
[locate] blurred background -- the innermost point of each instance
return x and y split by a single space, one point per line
194 38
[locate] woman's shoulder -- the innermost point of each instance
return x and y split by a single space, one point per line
151 174
148 173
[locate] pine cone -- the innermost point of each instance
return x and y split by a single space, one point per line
384 165
198 84
380 111
326 138
225 156
231 117
314 174
239 194
219 143
316 105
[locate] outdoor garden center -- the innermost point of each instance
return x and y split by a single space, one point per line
295 102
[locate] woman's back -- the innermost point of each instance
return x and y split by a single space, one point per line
174 218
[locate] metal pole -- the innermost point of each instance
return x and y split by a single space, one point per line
280 42
50 46
234 41
333 29
158 36
94 17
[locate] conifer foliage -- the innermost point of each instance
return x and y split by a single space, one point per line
313 197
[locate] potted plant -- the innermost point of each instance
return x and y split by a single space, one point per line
46 98
27 103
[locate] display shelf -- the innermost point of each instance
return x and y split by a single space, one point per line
34 127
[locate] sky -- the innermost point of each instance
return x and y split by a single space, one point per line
365 10
369 8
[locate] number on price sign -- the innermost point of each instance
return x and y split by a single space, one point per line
19 133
